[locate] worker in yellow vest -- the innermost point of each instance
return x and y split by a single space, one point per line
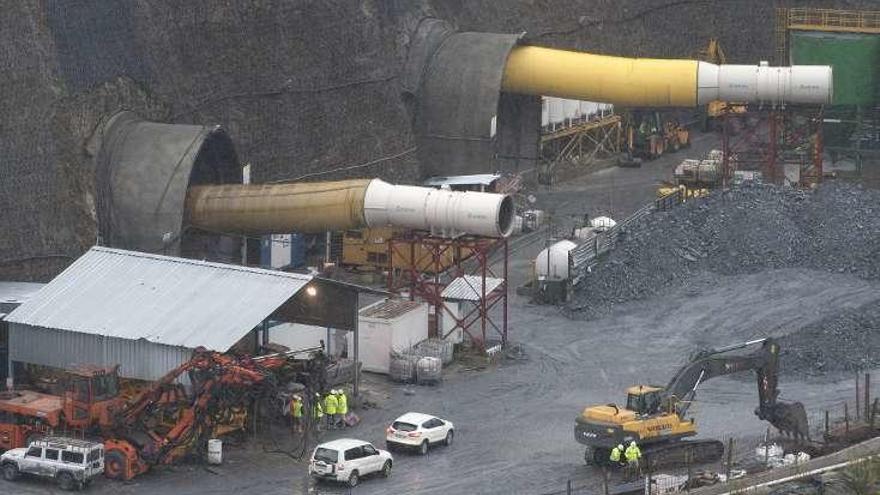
341 407
633 454
330 404
617 455
296 412
317 411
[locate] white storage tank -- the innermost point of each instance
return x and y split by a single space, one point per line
552 262
385 326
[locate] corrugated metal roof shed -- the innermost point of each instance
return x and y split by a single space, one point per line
159 299
469 288
389 309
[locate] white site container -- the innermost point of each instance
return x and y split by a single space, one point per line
552 262
215 451
390 324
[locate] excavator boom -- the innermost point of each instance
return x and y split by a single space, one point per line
656 417
789 418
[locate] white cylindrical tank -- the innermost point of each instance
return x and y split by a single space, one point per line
552 262
444 213
215 451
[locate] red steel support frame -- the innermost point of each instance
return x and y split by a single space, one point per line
769 144
428 270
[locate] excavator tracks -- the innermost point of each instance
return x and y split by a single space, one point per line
682 453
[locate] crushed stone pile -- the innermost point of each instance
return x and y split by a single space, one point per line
835 228
845 342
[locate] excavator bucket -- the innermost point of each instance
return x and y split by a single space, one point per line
789 418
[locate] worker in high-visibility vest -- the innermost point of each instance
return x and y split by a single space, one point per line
616 455
296 412
317 411
632 454
341 406
330 404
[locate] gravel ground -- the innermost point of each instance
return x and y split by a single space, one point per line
741 231
847 341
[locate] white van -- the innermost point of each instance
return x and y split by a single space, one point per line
348 460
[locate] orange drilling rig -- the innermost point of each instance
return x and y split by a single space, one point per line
161 425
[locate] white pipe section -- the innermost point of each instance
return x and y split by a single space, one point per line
800 84
443 212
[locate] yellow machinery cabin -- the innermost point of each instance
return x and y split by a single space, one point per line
368 249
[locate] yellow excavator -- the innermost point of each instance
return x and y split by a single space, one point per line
655 417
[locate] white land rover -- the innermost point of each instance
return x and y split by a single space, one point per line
72 463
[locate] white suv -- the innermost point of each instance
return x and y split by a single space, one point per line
71 462
417 430
348 460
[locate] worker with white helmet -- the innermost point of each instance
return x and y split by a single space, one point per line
633 454
617 455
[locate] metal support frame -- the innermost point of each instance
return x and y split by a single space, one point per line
581 142
766 140
427 273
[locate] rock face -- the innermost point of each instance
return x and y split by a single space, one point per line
749 230
302 87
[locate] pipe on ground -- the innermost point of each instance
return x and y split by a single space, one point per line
348 204
645 82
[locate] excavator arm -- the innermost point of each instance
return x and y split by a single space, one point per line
789 418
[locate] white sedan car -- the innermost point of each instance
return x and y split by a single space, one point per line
418 431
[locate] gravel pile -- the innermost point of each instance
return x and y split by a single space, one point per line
835 228
846 342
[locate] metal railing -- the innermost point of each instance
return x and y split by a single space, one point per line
834 20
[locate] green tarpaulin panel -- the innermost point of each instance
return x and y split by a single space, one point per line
854 57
